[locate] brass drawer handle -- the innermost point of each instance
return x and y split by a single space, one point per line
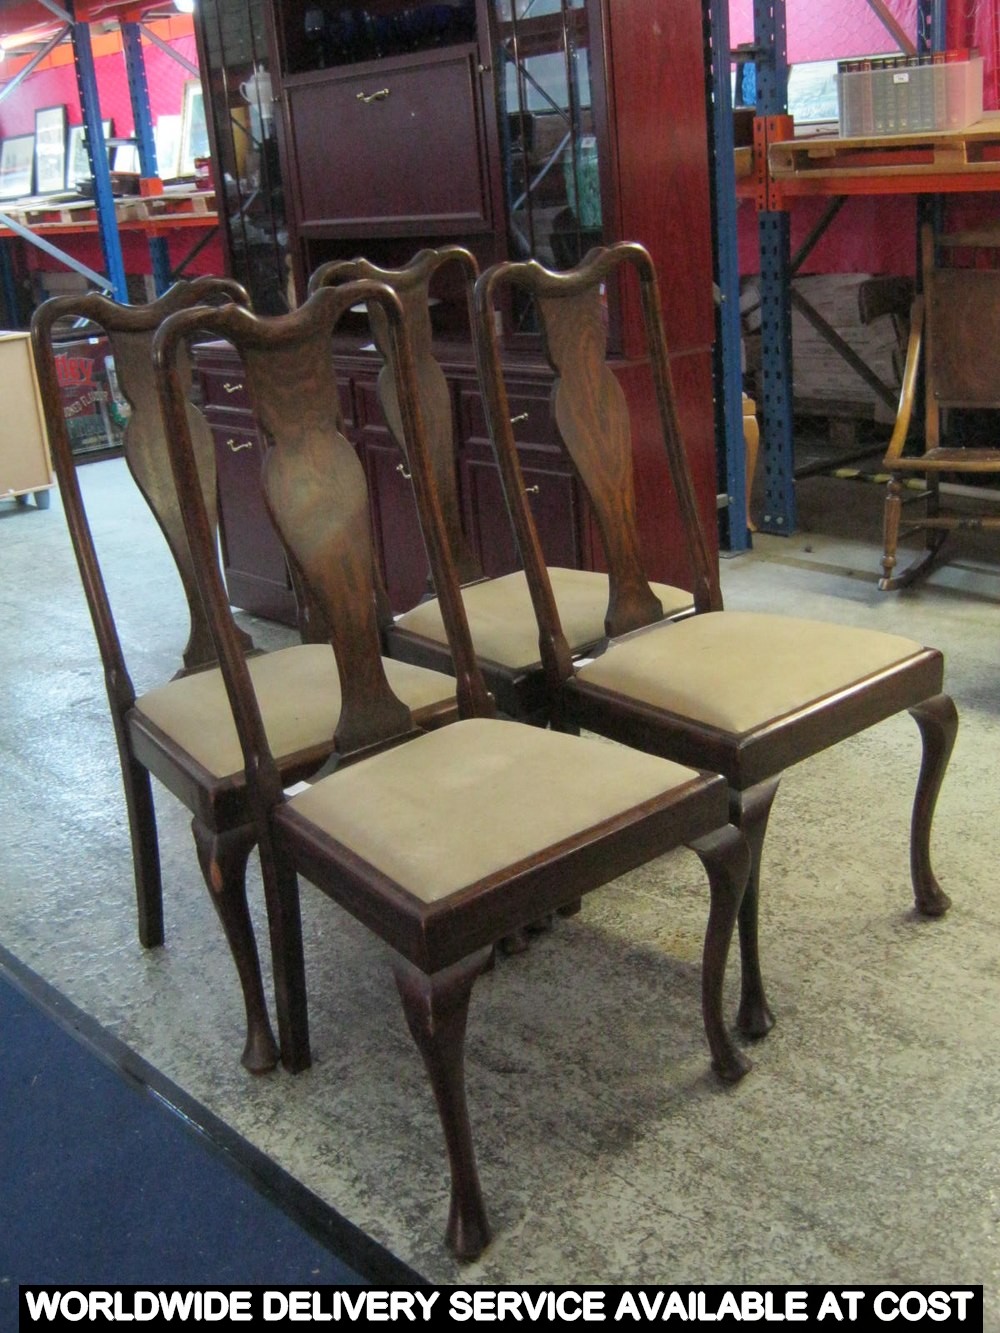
232 388
244 444
532 490
401 469
521 416
367 98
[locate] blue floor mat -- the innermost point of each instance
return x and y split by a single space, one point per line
112 1176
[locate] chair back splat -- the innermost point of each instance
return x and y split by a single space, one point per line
442 842
130 330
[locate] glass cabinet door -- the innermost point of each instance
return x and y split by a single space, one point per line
236 76
322 34
550 148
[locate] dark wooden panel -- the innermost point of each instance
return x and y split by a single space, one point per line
660 134
256 574
411 160
225 387
530 410
664 551
555 503
396 525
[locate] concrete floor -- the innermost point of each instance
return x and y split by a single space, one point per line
863 1146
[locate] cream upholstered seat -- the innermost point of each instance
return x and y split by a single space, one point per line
514 792
298 693
692 668
499 610
442 842
502 620
743 694
182 732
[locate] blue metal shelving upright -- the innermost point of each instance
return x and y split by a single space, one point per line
732 473
774 236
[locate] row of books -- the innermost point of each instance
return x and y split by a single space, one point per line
900 94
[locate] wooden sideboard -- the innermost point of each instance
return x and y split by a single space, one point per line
256 574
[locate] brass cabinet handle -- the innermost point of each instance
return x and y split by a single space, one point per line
366 98
232 388
532 490
243 444
521 416
401 469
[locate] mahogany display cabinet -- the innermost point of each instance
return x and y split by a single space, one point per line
517 128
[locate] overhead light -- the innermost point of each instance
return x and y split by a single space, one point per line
184 6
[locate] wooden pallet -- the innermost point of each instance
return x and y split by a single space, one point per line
132 208
149 208
37 212
973 150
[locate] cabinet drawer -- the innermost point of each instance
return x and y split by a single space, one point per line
555 505
225 387
531 414
397 146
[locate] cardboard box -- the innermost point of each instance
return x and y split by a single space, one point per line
25 466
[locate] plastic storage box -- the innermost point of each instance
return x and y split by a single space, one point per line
908 94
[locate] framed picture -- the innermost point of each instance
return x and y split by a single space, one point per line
167 136
194 130
126 159
17 166
50 149
77 160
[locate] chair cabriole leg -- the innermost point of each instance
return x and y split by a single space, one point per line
726 858
750 811
937 719
437 1008
223 860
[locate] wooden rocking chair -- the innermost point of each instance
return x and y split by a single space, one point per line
954 340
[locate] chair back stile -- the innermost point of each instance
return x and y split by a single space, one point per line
130 332
705 571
